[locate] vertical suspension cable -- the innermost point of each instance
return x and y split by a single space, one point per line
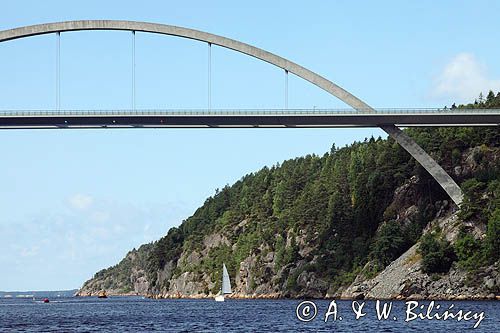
133 70
58 71
286 89
209 76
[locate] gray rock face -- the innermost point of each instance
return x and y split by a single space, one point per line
403 278
136 284
315 287
140 282
244 280
185 285
390 282
214 240
469 163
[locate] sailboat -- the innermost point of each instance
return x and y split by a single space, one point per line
226 285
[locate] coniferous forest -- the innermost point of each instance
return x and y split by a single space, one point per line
335 216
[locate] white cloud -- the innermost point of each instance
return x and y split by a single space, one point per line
462 79
100 216
30 251
80 201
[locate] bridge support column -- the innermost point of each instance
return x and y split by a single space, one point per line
133 70
209 79
58 71
436 171
286 90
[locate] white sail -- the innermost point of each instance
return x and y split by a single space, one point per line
226 284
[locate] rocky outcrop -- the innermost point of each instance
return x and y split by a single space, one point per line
477 158
404 279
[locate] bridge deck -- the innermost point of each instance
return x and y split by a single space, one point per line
198 118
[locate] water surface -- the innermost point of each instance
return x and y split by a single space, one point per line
135 314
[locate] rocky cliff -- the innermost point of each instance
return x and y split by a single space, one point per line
348 224
404 279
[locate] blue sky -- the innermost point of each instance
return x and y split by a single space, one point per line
73 202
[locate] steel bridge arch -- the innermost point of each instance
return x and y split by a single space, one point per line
436 171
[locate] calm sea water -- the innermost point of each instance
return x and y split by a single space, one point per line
134 314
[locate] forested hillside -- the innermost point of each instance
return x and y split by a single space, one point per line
311 225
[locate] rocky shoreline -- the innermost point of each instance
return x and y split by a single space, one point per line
489 297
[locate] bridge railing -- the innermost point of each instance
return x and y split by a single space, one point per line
243 112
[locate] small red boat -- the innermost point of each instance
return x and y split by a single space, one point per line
46 300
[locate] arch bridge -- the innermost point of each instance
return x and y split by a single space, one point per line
366 115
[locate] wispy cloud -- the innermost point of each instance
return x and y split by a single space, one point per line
100 216
80 201
29 251
65 247
462 79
